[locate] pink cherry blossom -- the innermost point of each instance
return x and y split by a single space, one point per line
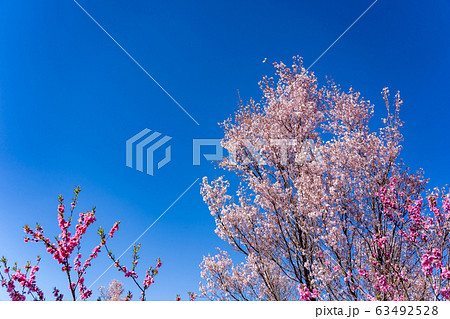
324 201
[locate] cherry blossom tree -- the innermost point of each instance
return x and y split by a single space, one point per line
325 209
113 292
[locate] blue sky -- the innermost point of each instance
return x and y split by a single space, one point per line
70 98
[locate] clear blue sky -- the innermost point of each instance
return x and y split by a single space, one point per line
70 98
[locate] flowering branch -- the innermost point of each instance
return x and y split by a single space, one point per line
68 243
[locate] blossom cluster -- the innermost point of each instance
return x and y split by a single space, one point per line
26 280
66 245
306 294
